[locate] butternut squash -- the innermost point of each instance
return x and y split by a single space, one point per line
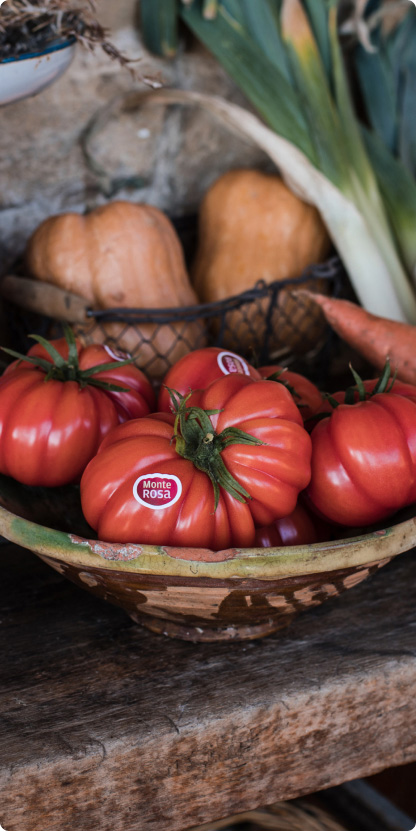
253 228
121 255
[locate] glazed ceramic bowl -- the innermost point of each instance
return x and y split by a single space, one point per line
195 594
30 73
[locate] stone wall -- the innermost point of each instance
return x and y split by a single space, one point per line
167 156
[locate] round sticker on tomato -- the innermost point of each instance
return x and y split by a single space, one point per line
231 364
157 490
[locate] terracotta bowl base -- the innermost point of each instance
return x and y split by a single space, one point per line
201 634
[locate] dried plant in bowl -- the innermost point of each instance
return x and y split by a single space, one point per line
30 27
38 40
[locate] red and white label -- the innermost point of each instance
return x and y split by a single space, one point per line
157 490
231 364
116 354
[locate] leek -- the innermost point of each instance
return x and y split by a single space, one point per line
344 221
387 78
159 21
315 139
399 193
285 56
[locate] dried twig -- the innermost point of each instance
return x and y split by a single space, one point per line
40 22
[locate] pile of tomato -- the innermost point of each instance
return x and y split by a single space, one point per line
227 456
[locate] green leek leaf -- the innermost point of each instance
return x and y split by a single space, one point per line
407 92
399 193
318 16
159 21
261 21
265 86
313 88
378 89
361 172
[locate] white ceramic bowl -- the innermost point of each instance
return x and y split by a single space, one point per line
29 74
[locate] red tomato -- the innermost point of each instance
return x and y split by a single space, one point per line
140 489
399 388
198 369
50 429
364 459
138 398
305 393
299 528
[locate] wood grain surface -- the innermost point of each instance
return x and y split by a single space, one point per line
107 727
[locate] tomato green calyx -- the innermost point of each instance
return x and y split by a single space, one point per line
384 384
62 369
197 441
277 376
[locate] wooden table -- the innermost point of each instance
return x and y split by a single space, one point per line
107 727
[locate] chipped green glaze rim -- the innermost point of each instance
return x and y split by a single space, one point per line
257 563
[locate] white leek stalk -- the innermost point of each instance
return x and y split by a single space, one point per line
293 73
356 242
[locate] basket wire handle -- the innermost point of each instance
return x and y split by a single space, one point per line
45 299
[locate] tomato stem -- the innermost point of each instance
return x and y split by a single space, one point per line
197 441
384 384
61 369
279 377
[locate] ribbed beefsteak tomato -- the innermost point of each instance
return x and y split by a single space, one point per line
198 369
206 477
56 409
137 397
364 455
353 394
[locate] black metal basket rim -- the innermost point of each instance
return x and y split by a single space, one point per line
328 270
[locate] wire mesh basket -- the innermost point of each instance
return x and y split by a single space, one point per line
355 805
300 815
267 323
262 324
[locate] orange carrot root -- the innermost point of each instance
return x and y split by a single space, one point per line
375 338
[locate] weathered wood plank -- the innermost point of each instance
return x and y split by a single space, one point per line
106 726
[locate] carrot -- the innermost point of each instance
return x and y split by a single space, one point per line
375 338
